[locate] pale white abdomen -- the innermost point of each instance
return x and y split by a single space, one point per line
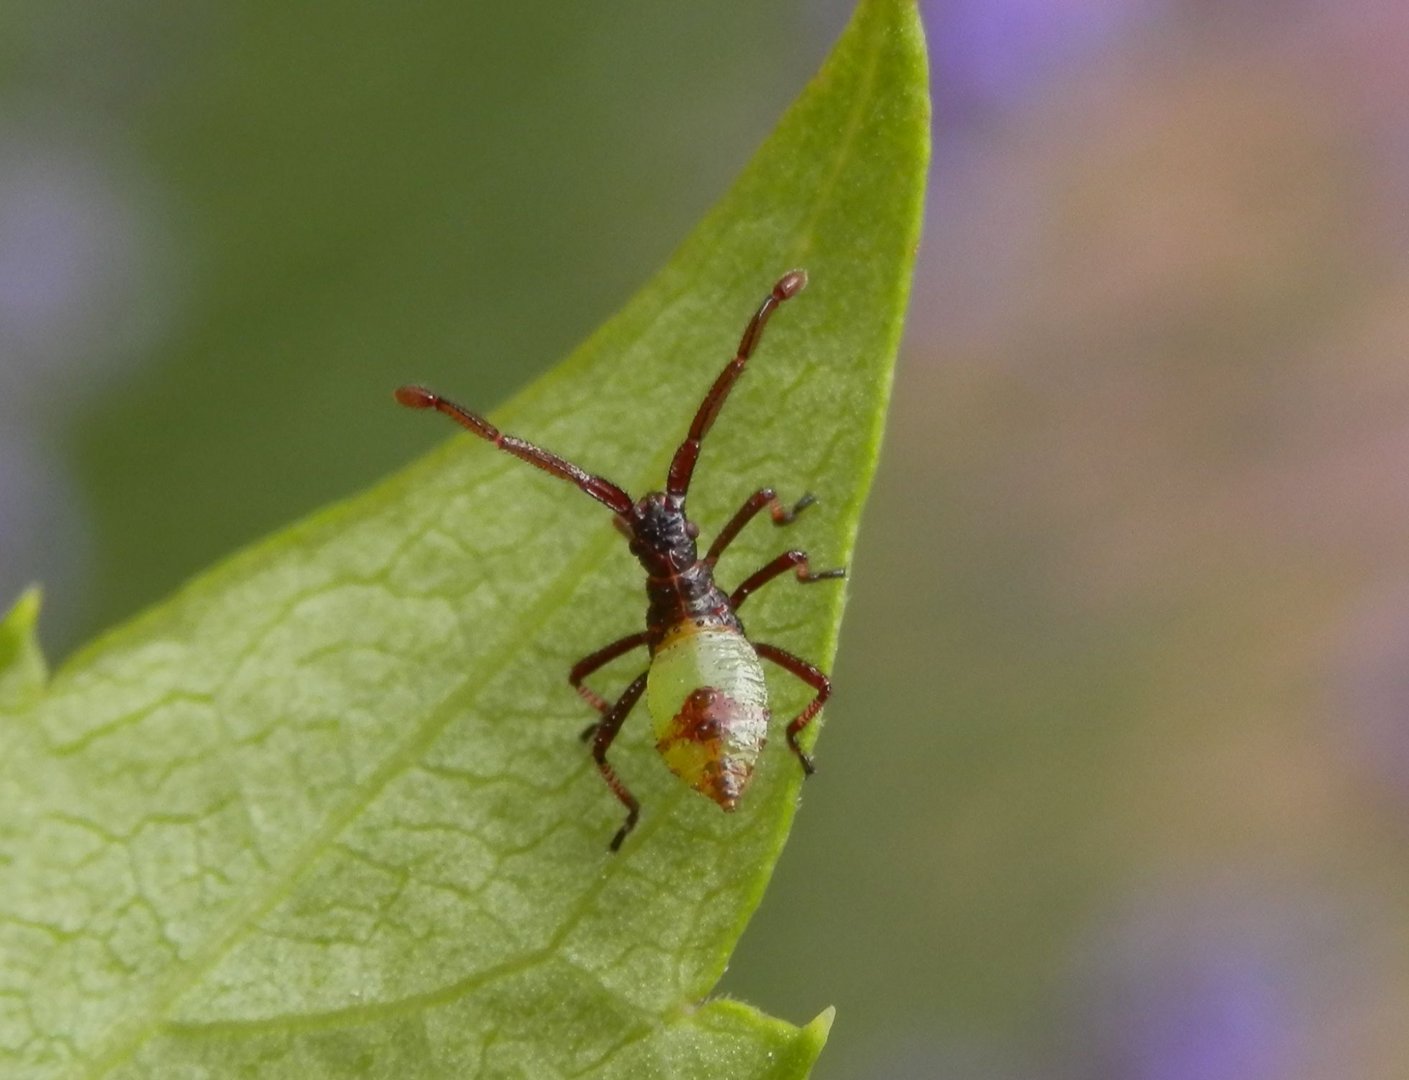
709 708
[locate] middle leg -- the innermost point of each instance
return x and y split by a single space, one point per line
592 662
789 560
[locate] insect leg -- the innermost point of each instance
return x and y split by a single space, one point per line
603 490
746 513
606 732
815 679
589 664
781 565
682 466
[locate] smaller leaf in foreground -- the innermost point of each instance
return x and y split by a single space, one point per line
22 668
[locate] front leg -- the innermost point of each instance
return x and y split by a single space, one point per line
756 502
814 678
781 565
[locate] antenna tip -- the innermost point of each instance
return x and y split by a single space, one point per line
790 284
416 397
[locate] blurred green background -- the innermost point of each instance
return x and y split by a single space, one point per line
1116 780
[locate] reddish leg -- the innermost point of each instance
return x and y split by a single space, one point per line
589 664
781 565
814 678
756 502
604 491
605 733
682 466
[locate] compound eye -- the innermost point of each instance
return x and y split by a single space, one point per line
692 530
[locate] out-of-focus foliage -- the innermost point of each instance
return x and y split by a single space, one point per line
1126 786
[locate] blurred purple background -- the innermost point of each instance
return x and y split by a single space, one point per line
1118 774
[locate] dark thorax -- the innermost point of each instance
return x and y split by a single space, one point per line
680 585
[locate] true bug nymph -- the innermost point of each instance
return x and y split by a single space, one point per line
704 688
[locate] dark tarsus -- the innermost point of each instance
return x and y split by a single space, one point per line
679 584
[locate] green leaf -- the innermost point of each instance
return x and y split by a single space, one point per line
323 813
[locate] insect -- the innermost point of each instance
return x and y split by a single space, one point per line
704 687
